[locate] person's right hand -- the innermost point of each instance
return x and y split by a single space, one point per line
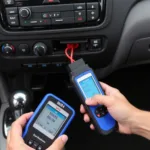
118 106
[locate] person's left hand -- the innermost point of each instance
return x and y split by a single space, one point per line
16 142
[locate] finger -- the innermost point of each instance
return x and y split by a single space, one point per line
82 109
86 118
23 119
92 127
8 137
59 143
108 89
18 125
100 99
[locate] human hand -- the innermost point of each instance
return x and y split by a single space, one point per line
16 142
118 106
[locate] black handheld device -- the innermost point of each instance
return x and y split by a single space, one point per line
87 85
50 120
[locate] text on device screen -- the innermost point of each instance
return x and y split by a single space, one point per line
89 87
50 121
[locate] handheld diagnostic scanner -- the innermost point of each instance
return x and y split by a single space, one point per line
50 120
87 85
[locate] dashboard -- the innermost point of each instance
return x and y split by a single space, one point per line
110 34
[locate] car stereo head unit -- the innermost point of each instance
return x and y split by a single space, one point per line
51 14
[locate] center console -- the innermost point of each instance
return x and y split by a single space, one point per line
30 25
52 14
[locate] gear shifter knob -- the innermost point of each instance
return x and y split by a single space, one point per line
18 102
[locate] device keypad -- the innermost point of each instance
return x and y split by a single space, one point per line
101 111
34 145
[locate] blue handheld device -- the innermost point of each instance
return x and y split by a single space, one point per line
50 120
87 86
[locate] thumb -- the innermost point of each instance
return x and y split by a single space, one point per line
59 143
107 101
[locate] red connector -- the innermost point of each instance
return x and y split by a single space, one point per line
71 48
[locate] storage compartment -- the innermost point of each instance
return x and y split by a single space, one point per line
140 51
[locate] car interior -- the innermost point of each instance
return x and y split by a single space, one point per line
112 37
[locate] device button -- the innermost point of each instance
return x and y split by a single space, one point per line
13 20
9 2
23 48
92 15
50 1
79 6
35 145
12 10
30 142
101 111
95 43
92 5
39 147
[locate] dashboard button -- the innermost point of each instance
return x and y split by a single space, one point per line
80 16
12 10
79 6
43 65
56 15
80 13
50 1
23 48
9 2
80 19
30 66
13 20
92 15
45 15
96 43
44 22
33 22
69 20
93 5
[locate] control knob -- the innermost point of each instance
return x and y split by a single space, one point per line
40 49
25 12
8 49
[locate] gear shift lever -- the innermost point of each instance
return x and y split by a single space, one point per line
19 101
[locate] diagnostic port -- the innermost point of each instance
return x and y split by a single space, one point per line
60 46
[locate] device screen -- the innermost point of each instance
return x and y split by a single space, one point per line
88 85
51 120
